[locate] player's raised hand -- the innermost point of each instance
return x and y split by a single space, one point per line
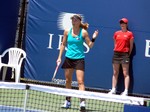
95 34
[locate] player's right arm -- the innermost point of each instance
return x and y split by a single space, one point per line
63 45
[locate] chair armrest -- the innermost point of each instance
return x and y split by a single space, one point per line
20 62
3 54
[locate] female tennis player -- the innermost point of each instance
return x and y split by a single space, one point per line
73 38
123 44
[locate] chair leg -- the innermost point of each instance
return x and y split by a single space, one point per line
13 74
4 73
17 75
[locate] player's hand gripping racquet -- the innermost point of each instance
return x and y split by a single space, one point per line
56 69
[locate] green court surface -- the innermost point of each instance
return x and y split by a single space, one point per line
36 98
45 102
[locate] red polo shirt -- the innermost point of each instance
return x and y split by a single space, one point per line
122 41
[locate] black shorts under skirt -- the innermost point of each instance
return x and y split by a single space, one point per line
78 64
121 58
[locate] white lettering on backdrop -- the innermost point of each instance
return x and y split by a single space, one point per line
147 48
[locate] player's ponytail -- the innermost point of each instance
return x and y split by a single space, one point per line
84 25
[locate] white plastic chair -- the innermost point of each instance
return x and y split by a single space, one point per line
15 59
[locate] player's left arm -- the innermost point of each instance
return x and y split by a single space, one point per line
87 38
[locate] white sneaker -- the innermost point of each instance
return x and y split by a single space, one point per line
124 93
112 92
66 105
82 106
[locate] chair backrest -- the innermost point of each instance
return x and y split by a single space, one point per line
16 55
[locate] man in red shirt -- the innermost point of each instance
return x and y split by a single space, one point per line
123 45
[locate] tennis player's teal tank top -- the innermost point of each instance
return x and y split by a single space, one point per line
75 48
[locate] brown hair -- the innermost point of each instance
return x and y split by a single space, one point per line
84 25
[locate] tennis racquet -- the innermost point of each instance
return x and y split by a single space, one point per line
56 69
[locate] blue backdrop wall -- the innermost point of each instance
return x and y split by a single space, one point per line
46 20
8 23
